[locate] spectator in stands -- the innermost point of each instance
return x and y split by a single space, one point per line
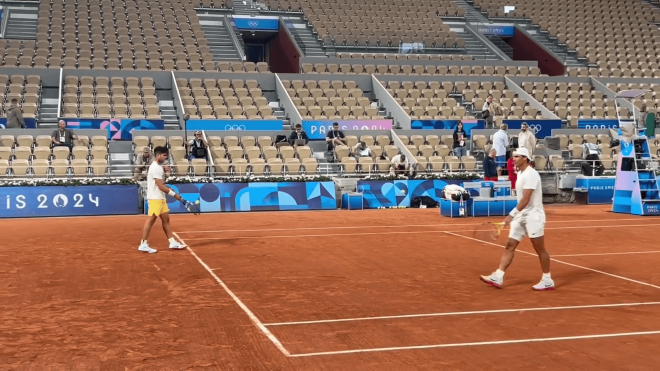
512 169
198 146
500 144
526 138
361 150
491 170
459 140
15 116
335 137
63 136
489 110
298 134
400 164
142 162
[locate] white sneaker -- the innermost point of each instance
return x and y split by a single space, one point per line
545 284
176 246
493 280
145 248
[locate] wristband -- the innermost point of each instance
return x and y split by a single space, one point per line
514 212
172 193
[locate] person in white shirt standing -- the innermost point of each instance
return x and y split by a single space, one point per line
526 219
527 139
500 144
156 191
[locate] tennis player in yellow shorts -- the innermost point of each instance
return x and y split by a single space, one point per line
156 191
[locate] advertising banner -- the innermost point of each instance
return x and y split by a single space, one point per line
468 125
498 30
600 190
118 129
30 123
392 193
254 125
21 202
541 128
256 23
598 124
318 129
216 197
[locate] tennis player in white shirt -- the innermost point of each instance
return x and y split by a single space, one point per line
156 191
526 219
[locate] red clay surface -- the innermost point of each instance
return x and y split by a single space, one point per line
75 293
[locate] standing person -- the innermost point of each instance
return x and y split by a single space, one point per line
156 191
489 110
490 167
459 140
526 219
63 136
15 116
512 169
527 139
500 144
334 138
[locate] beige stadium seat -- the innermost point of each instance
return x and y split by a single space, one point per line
60 168
99 167
258 166
349 165
20 168
275 166
199 166
40 168
221 167
4 167
240 166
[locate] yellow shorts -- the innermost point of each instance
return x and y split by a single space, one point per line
157 207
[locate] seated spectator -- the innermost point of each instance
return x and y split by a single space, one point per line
63 137
198 146
399 165
361 150
142 163
15 116
298 134
490 166
334 138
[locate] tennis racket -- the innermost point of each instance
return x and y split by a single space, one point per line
192 207
487 231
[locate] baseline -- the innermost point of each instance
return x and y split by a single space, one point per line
238 301
559 261
611 253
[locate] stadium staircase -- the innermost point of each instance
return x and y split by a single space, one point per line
304 36
568 56
22 22
167 110
120 156
217 30
47 114
243 7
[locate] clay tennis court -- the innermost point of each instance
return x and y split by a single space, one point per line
337 290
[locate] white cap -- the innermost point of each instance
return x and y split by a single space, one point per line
521 152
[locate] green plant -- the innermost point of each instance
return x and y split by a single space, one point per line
66 182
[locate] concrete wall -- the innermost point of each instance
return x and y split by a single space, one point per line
50 77
266 81
414 62
35 132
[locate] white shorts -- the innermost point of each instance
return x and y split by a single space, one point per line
531 225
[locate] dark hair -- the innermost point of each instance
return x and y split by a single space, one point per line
335 124
298 126
459 123
160 150
14 101
403 156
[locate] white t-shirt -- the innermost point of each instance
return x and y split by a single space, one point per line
155 172
500 142
530 179
396 160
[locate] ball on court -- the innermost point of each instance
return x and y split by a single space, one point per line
403 191
197 202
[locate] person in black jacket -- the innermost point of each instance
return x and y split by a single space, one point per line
460 138
490 167
298 133
198 146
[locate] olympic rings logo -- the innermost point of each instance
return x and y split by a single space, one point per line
535 128
253 23
235 127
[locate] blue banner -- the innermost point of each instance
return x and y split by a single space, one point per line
318 129
468 125
498 30
541 128
597 124
600 190
30 123
387 193
256 23
118 129
254 125
215 197
20 202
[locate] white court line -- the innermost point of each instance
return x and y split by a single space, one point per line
501 342
395 232
238 301
401 225
462 313
559 261
612 253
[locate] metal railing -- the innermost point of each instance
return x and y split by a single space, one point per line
235 35
293 35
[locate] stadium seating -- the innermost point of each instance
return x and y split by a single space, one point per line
25 156
26 89
223 99
328 100
105 97
390 67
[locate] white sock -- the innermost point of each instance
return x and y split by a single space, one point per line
143 242
499 274
172 240
546 276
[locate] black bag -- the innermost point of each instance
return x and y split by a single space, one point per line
423 200
200 152
485 114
